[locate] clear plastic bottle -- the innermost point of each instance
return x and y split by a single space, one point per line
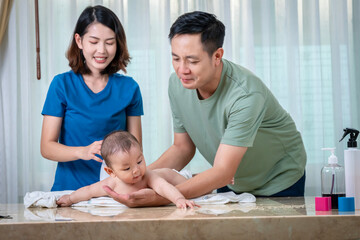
333 179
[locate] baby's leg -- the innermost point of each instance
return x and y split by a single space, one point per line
170 175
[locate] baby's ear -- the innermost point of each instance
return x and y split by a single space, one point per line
109 171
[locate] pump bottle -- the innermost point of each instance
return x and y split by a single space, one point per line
333 179
352 166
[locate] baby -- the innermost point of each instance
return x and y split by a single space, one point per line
127 169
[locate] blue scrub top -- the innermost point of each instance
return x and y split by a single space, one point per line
88 117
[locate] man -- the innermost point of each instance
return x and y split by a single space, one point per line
230 116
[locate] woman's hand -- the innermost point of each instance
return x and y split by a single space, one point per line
88 152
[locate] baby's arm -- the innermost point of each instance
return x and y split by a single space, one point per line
165 189
85 193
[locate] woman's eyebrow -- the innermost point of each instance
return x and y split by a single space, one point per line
112 38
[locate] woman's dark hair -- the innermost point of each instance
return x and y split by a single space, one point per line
103 15
117 141
211 29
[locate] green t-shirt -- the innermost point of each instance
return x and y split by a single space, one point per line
242 112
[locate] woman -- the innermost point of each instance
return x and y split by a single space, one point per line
90 101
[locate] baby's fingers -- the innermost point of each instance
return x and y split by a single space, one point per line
191 204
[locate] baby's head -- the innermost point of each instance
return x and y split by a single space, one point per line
115 142
123 156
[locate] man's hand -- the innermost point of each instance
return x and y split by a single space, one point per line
142 198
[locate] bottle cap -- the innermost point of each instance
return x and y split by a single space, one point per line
353 135
332 158
346 204
322 203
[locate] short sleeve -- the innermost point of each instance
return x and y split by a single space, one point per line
135 108
177 123
55 102
245 118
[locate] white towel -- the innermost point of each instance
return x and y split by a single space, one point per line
43 199
48 199
185 173
226 197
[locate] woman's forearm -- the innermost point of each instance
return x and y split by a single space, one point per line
60 153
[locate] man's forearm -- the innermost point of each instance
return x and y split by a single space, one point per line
173 158
178 155
203 183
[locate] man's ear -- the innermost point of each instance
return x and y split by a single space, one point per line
109 171
218 54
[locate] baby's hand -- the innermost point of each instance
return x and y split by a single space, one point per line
64 201
184 203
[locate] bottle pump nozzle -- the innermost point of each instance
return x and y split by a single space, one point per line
332 158
353 135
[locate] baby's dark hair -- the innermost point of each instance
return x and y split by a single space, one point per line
117 141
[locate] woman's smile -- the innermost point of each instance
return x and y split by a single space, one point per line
100 59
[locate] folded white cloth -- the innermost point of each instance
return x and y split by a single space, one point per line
99 201
223 198
185 173
43 199
48 199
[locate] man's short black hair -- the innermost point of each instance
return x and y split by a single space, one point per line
211 29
